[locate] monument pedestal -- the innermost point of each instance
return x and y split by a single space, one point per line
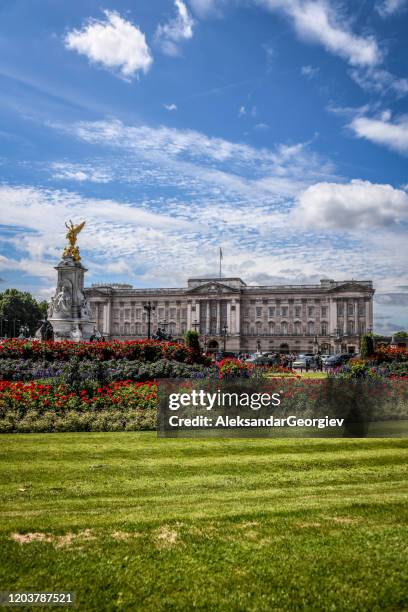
69 312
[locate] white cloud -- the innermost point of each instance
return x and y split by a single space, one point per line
170 107
388 7
380 81
75 172
176 30
242 111
383 131
197 157
310 71
356 205
205 8
114 43
317 21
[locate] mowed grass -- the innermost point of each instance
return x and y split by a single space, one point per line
132 522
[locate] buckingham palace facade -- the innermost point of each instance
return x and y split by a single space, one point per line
328 317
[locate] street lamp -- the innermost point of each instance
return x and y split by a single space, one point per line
196 325
315 345
148 308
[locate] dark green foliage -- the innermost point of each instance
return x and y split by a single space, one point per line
76 371
366 346
20 308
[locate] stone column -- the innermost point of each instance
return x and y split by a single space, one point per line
345 318
237 317
356 316
332 316
229 318
197 315
370 314
189 321
207 317
218 324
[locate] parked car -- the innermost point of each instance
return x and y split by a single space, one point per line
333 361
300 362
261 360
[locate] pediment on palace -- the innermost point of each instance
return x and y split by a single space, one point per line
212 288
347 287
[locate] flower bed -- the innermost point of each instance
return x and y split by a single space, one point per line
104 371
233 368
142 350
35 406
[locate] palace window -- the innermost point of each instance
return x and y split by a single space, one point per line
350 327
116 314
138 329
259 312
284 328
298 328
127 314
361 327
298 311
310 328
127 329
160 313
172 313
259 328
271 327
340 309
324 328
271 311
138 312
350 308
284 311
310 311
361 309
324 311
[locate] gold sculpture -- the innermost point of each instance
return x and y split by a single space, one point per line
72 250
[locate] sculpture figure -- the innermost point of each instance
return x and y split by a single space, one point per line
62 301
72 250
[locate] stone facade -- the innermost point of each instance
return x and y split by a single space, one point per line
287 318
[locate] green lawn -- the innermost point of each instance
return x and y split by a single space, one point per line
132 522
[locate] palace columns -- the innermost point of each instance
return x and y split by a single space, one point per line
218 323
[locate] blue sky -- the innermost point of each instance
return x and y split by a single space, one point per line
275 128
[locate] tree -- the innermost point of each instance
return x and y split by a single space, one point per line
401 334
18 309
193 342
366 345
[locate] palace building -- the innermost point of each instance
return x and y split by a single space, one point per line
227 312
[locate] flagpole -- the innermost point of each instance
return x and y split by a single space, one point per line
220 260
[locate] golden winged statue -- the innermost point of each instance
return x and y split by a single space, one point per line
72 250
